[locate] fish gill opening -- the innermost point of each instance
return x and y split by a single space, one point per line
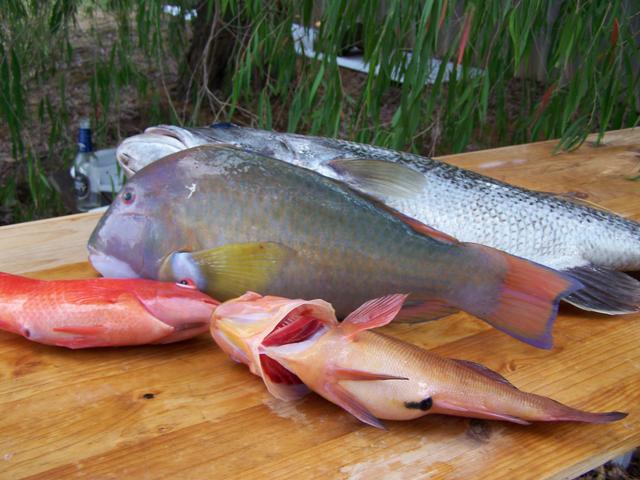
299 325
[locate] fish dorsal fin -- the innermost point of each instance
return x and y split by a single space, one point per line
386 181
416 225
233 269
373 314
485 371
574 198
422 228
380 178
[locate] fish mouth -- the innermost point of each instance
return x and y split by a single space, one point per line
124 159
166 131
155 143
110 266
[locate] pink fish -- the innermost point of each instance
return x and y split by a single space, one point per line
297 345
102 312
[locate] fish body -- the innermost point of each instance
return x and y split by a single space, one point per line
590 244
297 346
235 221
102 312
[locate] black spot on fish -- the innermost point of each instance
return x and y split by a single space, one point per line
149 396
27 332
222 125
423 405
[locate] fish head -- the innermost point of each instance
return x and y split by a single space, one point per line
246 326
144 224
138 151
180 305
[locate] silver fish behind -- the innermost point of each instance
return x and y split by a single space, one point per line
590 244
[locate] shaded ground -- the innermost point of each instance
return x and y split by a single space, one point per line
610 471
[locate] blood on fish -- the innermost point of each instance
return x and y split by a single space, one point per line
297 326
277 373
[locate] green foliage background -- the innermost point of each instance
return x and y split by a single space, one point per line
588 57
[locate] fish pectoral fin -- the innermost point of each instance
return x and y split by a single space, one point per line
415 311
442 406
380 178
485 371
604 290
80 329
343 398
233 269
340 374
372 314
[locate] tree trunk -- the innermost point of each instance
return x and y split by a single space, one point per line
209 60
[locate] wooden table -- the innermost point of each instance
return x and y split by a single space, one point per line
88 413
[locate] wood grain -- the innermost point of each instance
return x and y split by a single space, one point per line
187 411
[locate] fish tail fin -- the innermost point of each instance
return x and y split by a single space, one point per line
590 417
516 296
605 291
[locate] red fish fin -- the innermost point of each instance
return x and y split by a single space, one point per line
80 329
372 314
587 417
554 411
460 411
487 372
526 300
360 375
423 311
344 399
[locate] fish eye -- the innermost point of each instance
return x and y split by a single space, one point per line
128 197
186 283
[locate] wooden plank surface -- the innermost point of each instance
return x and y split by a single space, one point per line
68 414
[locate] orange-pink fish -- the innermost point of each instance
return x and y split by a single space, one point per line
102 312
297 345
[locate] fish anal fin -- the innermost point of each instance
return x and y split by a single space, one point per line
380 178
80 329
372 314
348 374
341 397
233 269
443 406
604 290
485 371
